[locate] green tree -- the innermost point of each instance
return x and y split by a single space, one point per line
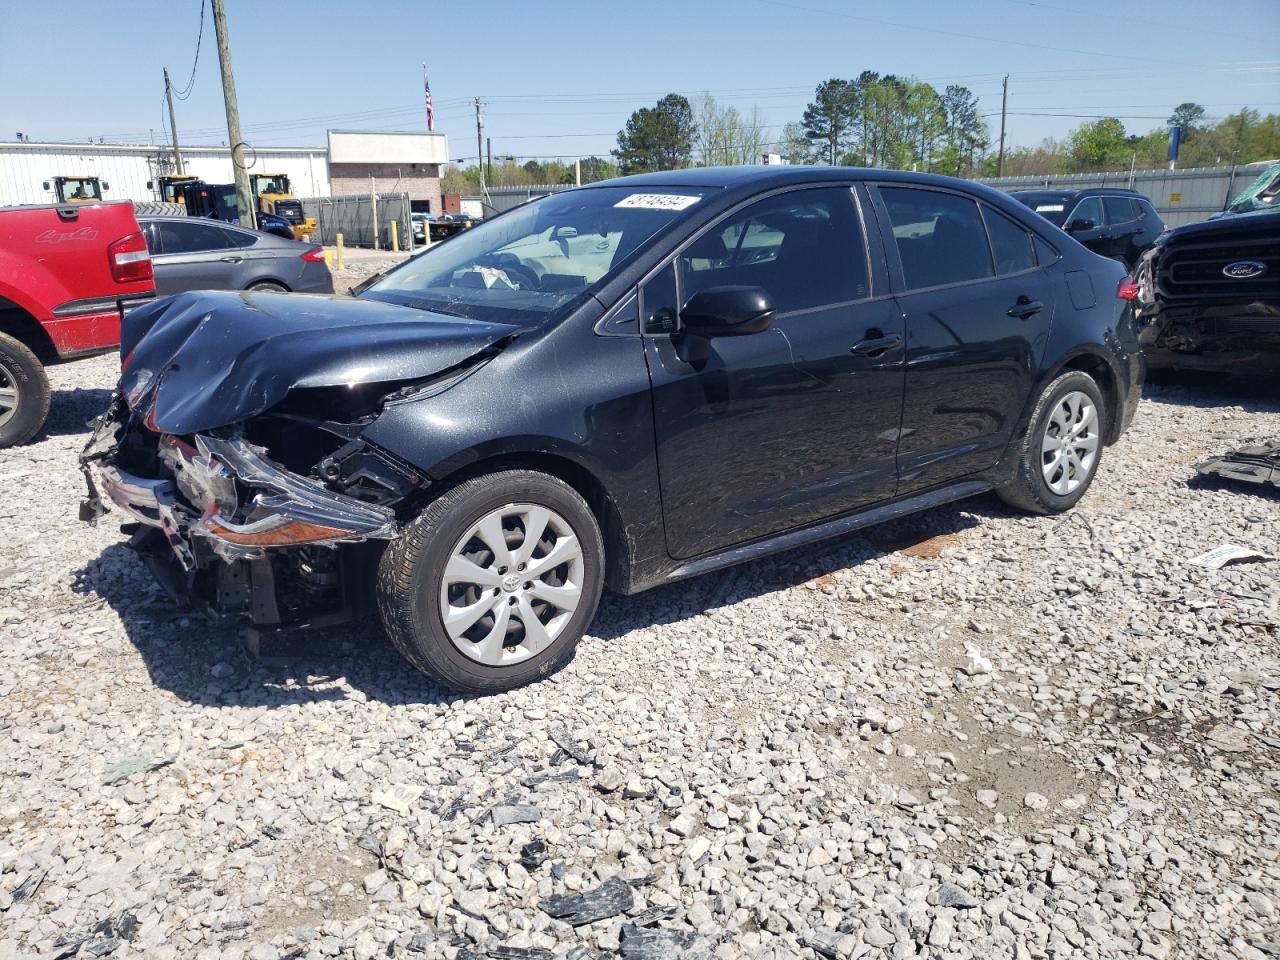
595 169
828 119
658 137
966 136
1188 116
1094 145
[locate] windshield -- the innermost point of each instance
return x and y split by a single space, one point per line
273 183
78 188
537 258
1052 206
1261 194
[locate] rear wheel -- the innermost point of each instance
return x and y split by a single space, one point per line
24 393
267 286
1059 455
492 586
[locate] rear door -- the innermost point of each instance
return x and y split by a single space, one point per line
194 255
978 312
1124 227
1097 237
792 425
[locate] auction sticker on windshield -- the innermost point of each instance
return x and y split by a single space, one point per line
1050 208
657 201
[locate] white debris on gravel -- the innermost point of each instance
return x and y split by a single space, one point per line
797 770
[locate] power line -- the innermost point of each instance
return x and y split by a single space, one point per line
191 82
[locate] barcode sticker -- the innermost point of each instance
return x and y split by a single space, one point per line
657 201
1050 208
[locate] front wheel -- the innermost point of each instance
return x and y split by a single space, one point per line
24 393
1059 455
491 587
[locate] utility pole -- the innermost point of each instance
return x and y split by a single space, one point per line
173 124
488 158
479 147
244 196
1004 106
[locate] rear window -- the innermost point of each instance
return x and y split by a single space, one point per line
1120 210
1051 206
1010 244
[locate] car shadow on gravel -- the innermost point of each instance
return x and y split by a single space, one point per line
205 662
1252 395
920 536
71 410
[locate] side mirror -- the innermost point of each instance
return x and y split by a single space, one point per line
1079 226
105 186
151 184
46 185
730 311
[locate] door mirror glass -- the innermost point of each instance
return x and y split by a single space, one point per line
727 311
1080 225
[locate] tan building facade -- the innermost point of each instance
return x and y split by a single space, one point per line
361 162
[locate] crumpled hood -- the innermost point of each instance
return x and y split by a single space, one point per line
206 359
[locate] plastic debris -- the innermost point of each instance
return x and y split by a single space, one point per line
561 738
1260 465
533 855
1219 557
975 664
515 813
607 900
131 767
641 944
398 796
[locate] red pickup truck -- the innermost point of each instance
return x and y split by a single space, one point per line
67 271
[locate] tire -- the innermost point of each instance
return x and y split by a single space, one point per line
268 286
1043 480
158 208
24 393
413 590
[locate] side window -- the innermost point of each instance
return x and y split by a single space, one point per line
940 237
179 237
1119 210
803 247
1009 242
1045 254
238 238
1090 208
658 304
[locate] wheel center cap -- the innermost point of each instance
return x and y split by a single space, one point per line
511 583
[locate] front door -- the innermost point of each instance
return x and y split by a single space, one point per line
978 309
783 428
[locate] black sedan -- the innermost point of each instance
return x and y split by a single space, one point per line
192 253
1121 224
623 384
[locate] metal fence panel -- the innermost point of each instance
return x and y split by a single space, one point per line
1179 196
353 217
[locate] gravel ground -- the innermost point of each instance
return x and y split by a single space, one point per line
969 733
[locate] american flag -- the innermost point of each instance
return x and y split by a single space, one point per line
431 113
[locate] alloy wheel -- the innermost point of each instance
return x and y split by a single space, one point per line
511 584
1069 448
10 394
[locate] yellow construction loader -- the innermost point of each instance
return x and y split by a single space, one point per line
274 196
77 189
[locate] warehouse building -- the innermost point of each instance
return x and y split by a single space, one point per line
396 162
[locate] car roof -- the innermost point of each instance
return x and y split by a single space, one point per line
215 223
765 175
1086 191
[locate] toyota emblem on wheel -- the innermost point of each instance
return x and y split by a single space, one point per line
1244 269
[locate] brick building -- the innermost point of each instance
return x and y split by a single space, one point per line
362 161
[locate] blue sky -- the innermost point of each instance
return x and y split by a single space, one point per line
561 78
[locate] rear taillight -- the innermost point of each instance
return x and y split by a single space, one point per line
314 255
1128 289
130 261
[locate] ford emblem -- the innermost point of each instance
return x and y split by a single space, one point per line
1244 269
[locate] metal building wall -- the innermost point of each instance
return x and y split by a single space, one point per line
1179 196
25 166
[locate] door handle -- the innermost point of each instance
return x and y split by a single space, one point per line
231 259
876 344
1025 307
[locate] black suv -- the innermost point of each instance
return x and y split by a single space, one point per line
624 384
1120 224
1209 296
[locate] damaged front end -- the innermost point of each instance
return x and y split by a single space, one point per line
226 527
